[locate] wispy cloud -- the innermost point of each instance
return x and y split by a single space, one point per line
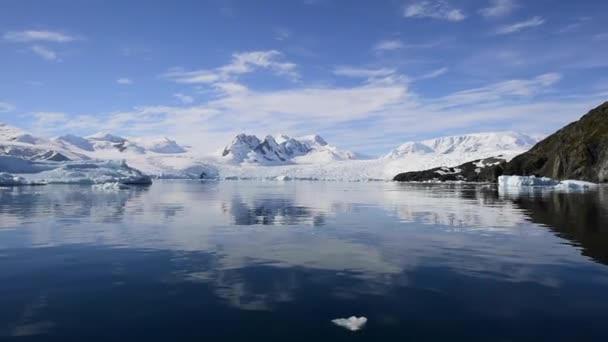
49 122
241 63
124 81
436 9
433 74
46 118
575 25
358 72
516 27
601 36
44 52
38 36
499 8
185 99
388 45
388 109
6 107
501 90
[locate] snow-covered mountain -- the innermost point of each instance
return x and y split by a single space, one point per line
104 143
493 143
283 150
19 143
249 157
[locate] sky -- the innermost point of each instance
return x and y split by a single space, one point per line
366 75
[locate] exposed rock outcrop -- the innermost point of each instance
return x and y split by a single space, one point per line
577 151
481 170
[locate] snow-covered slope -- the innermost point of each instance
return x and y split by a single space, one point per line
161 145
19 143
479 143
156 156
249 157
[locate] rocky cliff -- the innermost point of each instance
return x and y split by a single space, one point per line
577 151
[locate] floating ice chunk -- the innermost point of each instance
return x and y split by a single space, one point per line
7 179
507 183
94 172
282 178
352 323
521 181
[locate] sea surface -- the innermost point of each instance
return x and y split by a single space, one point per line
278 261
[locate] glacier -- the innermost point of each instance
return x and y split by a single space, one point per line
116 158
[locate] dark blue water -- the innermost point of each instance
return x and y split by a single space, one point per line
271 261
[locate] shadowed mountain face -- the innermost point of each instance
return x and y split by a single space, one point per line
577 151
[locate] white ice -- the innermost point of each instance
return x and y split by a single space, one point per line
352 323
527 183
7 179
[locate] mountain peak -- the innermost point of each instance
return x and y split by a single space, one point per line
106 136
313 139
485 143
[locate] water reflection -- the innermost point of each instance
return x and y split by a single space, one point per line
581 218
175 257
271 211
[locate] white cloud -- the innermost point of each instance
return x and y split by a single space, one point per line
241 63
48 122
434 73
312 103
184 98
358 72
44 52
516 27
500 91
38 36
124 81
388 45
49 118
6 107
436 9
499 8
388 109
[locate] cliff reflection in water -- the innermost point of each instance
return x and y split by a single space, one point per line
581 218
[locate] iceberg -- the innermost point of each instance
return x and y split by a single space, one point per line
7 179
528 183
92 172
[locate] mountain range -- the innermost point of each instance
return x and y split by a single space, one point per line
307 157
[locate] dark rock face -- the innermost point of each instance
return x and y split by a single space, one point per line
481 170
577 151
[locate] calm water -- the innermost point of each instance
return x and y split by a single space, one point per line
269 261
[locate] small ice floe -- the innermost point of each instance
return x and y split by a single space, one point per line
7 179
115 186
352 323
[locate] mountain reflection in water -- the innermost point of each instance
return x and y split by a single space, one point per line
275 261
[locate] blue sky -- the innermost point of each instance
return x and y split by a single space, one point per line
367 75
